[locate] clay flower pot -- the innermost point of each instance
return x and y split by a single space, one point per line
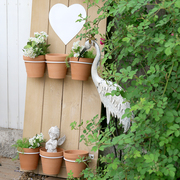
80 70
70 157
29 158
56 65
51 162
35 67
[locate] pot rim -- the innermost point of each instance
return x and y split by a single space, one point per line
89 60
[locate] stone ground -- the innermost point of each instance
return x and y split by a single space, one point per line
9 170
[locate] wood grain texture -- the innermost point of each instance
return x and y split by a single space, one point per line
35 86
91 106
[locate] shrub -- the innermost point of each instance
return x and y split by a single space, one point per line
143 36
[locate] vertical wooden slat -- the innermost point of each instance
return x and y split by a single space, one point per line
35 86
71 112
3 65
52 104
23 34
53 87
91 106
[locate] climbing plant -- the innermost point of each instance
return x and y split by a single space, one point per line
143 41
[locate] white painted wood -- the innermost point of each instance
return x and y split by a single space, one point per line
3 65
15 19
25 7
13 68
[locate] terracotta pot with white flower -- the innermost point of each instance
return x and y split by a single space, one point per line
28 151
34 54
80 65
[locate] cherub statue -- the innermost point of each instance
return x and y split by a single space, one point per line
53 142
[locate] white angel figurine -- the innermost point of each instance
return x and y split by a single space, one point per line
53 142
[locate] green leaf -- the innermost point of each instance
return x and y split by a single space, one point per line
179 29
177 3
126 39
94 148
177 133
168 51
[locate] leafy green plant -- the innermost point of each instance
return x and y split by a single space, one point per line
36 45
76 49
143 42
33 143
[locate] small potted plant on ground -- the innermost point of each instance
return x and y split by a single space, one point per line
34 54
80 66
28 151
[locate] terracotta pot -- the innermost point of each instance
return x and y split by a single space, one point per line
35 67
80 70
56 65
51 162
29 158
70 157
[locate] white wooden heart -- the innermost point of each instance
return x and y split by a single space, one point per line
63 20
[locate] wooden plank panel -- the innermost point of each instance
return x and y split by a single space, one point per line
35 86
13 64
3 65
24 32
91 106
72 95
52 104
39 18
53 87
33 106
76 99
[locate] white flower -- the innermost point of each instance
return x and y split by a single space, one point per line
76 54
44 34
41 39
75 45
29 52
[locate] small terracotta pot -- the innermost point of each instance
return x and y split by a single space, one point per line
35 67
70 157
51 162
56 65
29 158
80 70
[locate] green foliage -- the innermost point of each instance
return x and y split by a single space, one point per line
36 46
22 143
33 143
76 51
143 40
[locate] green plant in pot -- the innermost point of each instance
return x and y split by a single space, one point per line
34 54
28 151
80 63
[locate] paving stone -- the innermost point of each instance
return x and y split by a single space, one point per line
10 170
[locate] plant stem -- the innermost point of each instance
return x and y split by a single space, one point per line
168 79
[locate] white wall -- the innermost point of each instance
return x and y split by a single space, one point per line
15 18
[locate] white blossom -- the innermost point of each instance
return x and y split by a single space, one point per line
75 45
76 54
